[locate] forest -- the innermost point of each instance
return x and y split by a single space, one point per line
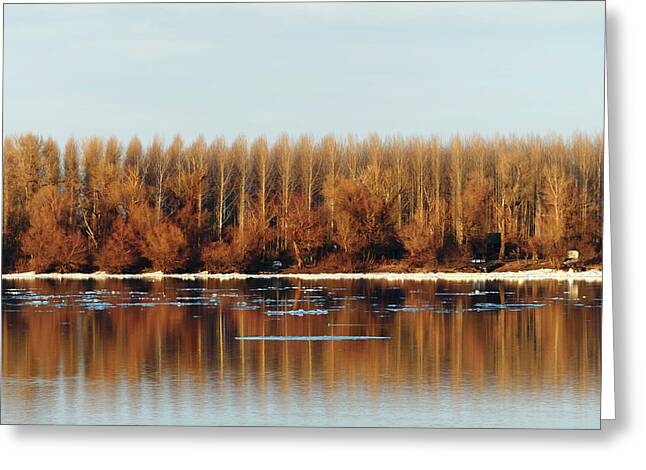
316 205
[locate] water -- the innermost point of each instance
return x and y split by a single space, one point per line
302 353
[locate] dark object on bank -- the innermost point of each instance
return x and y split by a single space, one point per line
274 267
486 266
485 252
573 261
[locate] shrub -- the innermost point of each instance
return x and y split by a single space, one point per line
164 246
418 239
219 257
120 253
364 222
161 243
47 243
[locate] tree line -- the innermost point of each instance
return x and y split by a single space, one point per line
325 204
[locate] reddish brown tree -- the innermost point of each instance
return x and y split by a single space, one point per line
47 244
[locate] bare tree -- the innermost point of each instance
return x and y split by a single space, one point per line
51 162
263 170
457 186
284 157
158 165
222 176
240 156
330 152
310 169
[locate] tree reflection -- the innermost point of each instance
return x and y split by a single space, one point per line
439 337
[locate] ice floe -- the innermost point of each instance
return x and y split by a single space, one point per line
308 338
296 313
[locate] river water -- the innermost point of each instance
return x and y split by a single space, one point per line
302 353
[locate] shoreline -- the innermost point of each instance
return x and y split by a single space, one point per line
592 275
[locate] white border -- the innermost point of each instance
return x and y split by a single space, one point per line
607 345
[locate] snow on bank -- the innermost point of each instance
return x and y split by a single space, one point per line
534 275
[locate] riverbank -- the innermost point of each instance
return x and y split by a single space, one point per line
592 275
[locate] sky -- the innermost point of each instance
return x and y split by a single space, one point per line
264 69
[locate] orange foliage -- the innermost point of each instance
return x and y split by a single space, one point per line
305 230
160 242
120 253
219 257
419 239
48 246
365 225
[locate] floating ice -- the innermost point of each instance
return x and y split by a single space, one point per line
36 302
99 306
15 291
308 338
495 306
470 294
147 304
296 313
420 308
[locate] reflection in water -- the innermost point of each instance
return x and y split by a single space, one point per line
492 354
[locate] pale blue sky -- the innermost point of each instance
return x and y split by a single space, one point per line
222 69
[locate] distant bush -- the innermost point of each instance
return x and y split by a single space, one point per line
160 242
419 240
121 253
47 244
218 257
364 222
